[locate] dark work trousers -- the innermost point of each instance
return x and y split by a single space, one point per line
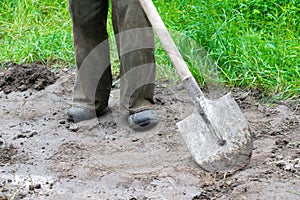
135 42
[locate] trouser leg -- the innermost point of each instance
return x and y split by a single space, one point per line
93 77
135 43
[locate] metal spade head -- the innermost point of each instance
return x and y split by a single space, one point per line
227 118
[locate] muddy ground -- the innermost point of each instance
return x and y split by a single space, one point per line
42 156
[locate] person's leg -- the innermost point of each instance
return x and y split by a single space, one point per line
93 77
135 42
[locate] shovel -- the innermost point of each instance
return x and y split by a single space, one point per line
217 134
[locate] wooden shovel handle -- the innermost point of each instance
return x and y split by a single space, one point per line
181 67
166 39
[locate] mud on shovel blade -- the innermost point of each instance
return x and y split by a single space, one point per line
216 134
230 148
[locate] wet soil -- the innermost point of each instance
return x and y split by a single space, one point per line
43 156
22 77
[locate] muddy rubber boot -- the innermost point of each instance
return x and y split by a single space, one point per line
143 120
76 114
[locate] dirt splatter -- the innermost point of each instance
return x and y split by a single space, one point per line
22 77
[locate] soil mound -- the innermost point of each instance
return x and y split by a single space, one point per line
22 77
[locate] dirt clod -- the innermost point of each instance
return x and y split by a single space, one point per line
7 153
37 186
74 128
31 187
22 77
281 142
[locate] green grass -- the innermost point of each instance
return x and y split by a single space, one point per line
35 31
254 43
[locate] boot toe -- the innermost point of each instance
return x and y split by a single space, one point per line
76 114
143 120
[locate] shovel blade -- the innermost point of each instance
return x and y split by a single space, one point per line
227 118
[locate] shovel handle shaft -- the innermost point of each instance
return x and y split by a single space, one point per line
181 67
166 39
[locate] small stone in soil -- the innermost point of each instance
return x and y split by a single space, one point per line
38 186
74 128
31 187
281 142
